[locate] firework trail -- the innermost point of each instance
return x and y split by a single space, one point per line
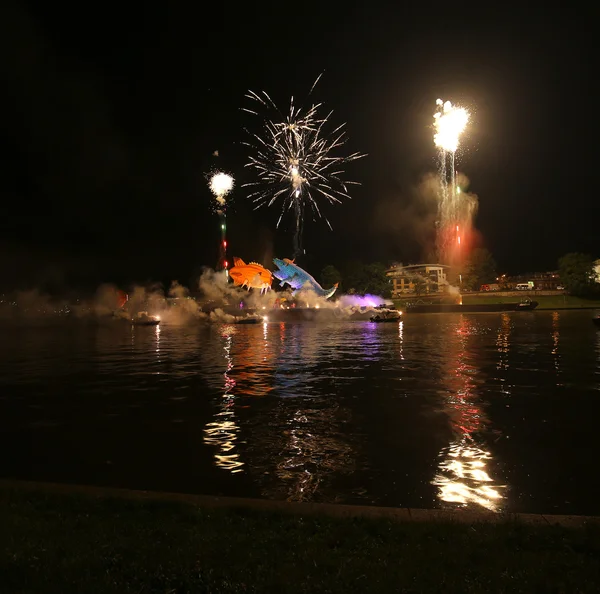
294 159
220 185
455 211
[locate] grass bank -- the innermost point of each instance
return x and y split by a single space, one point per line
545 301
54 542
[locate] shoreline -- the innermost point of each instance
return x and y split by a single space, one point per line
405 311
586 307
398 514
72 538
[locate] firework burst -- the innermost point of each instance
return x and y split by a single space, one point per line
295 161
450 122
456 209
221 184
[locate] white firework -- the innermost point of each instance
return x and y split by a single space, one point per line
295 159
221 184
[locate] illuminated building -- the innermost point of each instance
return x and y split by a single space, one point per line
418 278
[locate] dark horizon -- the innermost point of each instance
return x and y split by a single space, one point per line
113 123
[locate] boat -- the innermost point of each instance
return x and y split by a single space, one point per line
386 314
251 319
526 305
143 319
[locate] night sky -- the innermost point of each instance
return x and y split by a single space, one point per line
112 115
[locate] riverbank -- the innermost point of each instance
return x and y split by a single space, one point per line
85 540
545 302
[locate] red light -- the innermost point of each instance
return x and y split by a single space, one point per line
226 264
224 243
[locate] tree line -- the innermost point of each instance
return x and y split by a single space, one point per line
360 278
577 273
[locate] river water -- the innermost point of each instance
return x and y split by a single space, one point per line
475 411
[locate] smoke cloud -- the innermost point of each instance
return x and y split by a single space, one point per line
218 301
455 231
410 222
31 304
406 222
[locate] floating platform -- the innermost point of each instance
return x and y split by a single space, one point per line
250 320
143 319
314 314
146 323
335 314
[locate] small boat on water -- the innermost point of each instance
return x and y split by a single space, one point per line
386 314
526 305
251 319
143 319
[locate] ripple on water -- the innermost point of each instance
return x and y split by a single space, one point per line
456 411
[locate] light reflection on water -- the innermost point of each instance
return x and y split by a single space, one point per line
223 431
157 333
400 340
463 469
555 344
437 410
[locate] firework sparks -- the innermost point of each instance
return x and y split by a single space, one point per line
449 122
294 160
221 184
456 210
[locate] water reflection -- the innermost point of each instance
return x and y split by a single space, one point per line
401 340
299 444
598 350
310 416
463 479
503 348
555 344
299 448
313 452
157 335
372 339
503 341
223 431
254 354
297 355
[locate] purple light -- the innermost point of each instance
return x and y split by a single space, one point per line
361 300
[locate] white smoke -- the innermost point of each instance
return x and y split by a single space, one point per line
180 307
216 289
308 298
369 301
218 315
218 294
31 305
219 301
